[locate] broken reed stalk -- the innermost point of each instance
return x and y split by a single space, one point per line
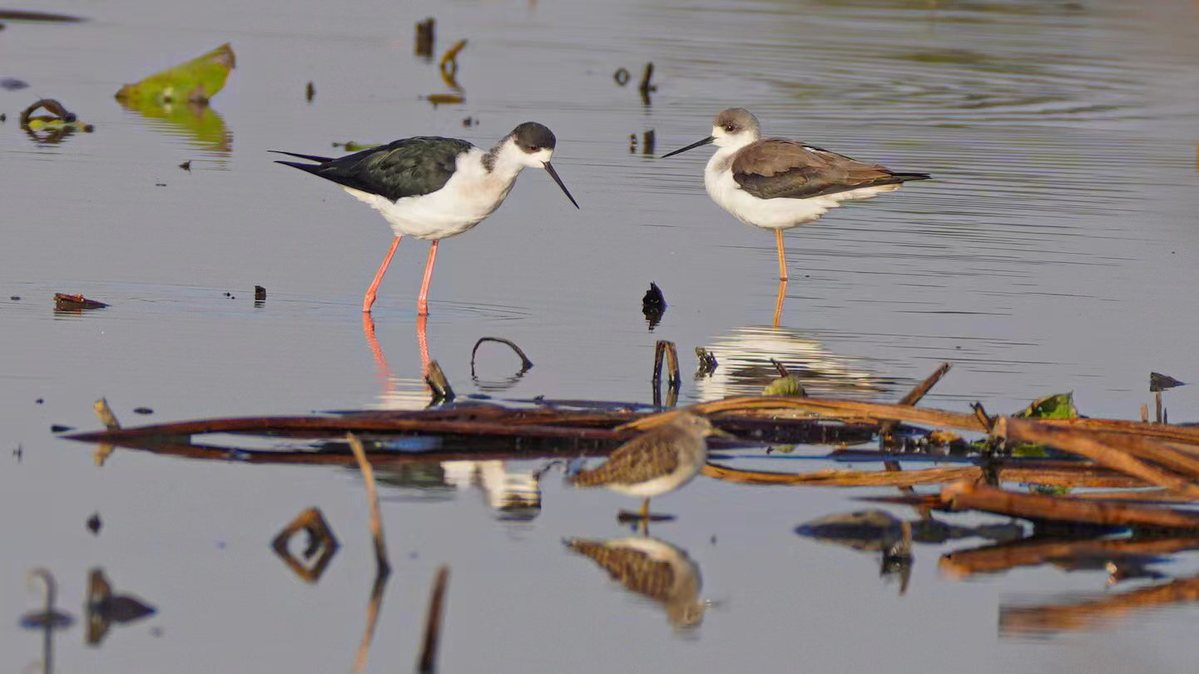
1081 476
104 413
372 619
914 396
1039 620
382 567
525 363
961 564
971 496
842 410
428 654
437 381
1085 445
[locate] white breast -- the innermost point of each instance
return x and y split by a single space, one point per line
471 194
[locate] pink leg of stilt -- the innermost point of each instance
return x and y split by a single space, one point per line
422 342
422 302
369 298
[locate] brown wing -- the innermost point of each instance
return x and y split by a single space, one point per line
649 455
777 168
632 567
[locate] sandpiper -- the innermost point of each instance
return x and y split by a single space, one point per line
775 183
432 188
656 462
652 568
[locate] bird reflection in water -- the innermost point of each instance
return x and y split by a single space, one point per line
513 494
653 569
745 356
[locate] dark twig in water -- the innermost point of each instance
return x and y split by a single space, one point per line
428 655
653 305
780 368
647 86
621 76
321 543
665 349
970 496
913 397
372 619
525 363
382 567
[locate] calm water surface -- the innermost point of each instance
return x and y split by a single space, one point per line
1056 250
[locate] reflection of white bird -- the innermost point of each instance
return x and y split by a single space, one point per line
652 568
513 494
745 367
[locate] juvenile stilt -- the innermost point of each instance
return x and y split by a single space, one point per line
368 300
778 239
422 301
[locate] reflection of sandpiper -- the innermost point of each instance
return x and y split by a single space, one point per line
655 462
432 188
745 365
652 568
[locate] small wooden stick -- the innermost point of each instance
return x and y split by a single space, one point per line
971 496
914 396
383 568
428 654
104 412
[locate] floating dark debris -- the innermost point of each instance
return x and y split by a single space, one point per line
142 410
75 302
310 92
318 551
187 165
12 84
259 294
425 38
653 305
1162 382
44 17
105 608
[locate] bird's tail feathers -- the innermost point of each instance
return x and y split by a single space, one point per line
309 157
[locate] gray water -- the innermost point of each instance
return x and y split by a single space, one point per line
1056 250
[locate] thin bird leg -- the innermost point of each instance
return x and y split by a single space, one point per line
644 510
422 341
422 302
778 303
369 298
778 239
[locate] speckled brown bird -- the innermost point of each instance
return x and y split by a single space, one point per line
651 568
655 462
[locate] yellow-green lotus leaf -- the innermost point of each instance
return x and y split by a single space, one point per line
195 81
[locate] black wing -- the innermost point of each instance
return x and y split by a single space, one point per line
775 168
404 168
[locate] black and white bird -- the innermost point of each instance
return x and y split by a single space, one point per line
432 188
775 183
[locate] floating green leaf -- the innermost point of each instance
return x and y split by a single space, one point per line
195 81
1056 406
785 386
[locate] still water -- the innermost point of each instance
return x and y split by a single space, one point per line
1056 250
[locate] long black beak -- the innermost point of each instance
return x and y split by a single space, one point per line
692 146
554 174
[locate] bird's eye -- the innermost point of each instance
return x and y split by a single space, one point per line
730 127
534 148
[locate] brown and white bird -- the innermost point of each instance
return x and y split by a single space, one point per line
652 568
775 183
656 462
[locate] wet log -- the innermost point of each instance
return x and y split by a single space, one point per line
962 564
971 496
